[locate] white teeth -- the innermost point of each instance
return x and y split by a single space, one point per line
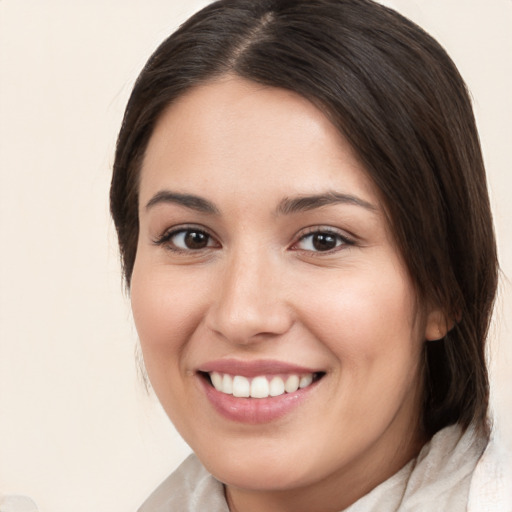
216 380
292 383
305 381
276 386
241 386
259 387
227 384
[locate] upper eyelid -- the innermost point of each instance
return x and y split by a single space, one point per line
348 239
170 232
300 235
311 230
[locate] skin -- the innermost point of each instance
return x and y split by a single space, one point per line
260 290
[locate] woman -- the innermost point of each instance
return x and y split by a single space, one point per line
302 213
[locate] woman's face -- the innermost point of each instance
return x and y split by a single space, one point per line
265 262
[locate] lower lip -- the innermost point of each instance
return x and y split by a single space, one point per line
254 410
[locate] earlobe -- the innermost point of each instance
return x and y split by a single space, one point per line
437 325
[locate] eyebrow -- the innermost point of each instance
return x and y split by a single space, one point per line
287 206
304 203
190 201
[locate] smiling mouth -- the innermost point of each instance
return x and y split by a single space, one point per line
261 386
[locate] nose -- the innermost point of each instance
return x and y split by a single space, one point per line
249 303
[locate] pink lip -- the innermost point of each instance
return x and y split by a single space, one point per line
254 368
254 410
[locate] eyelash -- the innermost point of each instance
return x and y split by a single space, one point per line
342 240
166 239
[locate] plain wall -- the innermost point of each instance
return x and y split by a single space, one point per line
77 430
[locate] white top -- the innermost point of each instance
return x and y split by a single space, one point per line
454 471
17 503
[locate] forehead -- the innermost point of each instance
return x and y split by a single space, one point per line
233 134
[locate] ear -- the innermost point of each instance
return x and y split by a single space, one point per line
437 325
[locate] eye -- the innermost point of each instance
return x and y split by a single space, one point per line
187 239
321 241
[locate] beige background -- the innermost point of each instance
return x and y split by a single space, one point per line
77 431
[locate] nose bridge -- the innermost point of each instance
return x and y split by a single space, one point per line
249 300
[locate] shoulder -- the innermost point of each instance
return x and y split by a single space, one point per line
188 489
491 484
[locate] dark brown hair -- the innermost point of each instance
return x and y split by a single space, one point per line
394 93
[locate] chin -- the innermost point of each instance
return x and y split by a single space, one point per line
259 476
261 464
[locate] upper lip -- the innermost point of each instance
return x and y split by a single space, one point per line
254 368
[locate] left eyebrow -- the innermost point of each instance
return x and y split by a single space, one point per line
301 203
190 201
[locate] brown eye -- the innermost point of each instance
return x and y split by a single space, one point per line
324 241
187 240
321 241
195 239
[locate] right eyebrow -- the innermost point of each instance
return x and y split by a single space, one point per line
190 201
302 203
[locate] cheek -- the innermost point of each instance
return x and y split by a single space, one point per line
369 325
368 319
165 312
